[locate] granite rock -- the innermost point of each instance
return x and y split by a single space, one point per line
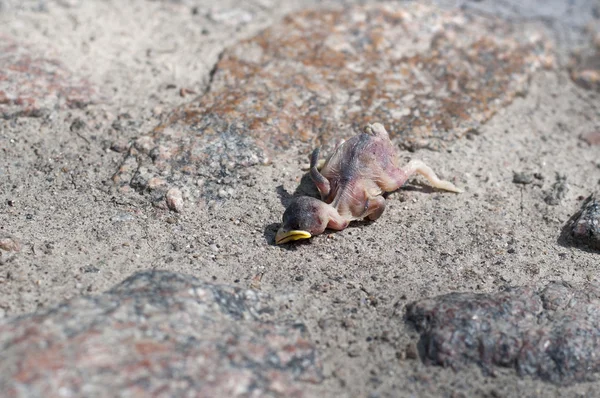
430 76
551 333
32 84
157 334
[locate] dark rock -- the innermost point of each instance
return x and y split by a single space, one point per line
586 226
411 351
430 76
522 178
77 125
552 334
90 269
31 85
156 334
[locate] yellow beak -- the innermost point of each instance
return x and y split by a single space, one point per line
289 236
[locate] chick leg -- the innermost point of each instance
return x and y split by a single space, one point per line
375 207
401 175
336 221
320 181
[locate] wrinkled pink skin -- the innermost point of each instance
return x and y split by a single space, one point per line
352 182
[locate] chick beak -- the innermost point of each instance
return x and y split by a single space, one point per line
284 236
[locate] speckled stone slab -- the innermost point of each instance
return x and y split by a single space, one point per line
157 334
552 334
32 84
430 76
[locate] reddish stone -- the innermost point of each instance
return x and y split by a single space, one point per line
157 334
428 75
31 84
592 138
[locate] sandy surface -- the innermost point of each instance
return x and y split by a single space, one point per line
80 236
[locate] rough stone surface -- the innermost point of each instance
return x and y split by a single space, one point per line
585 63
586 226
430 76
552 333
156 334
31 84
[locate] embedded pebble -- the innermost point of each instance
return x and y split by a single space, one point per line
175 200
9 244
592 138
119 146
522 178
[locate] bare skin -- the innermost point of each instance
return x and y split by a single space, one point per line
351 183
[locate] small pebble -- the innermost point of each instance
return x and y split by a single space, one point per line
156 182
411 351
231 16
77 125
123 217
522 178
175 200
9 244
592 138
119 146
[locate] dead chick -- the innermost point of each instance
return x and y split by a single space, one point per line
351 183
